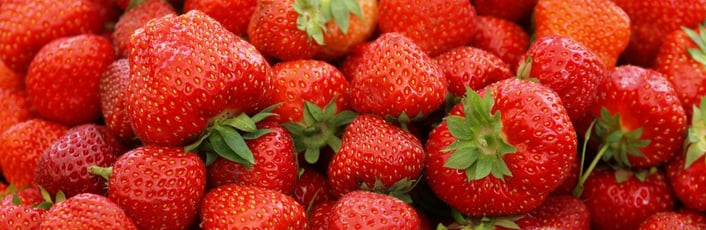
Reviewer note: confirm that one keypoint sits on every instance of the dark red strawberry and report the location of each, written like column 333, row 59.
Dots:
column 86, row 211
column 558, row 212
column 134, row 19
column 244, row 207
column 687, row 168
column 505, row 39
column 312, row 188
column 234, row 15
column 61, row 93
column 274, row 31
column 369, row 210
column 471, row 67
column 30, row 196
column 113, row 96
column 511, row 10
column 16, row 108
column 18, row 216
column 672, row 220
column 319, row 216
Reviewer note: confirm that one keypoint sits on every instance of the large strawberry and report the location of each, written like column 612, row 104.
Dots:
column 687, row 169
column 503, row 38
column 502, row 150
column 601, row 25
column 471, row 67
column 58, row 90
column 234, row 15
column 113, row 96
column 245, row 207
column 86, row 211
column 357, row 210
column 134, row 19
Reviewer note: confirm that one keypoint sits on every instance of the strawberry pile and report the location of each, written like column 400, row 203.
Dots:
column 352, row 114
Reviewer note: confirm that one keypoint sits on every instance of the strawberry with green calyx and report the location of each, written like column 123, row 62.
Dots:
column 482, row 223
column 20, row 216
column 339, row 42
column 687, row 169
column 313, row 16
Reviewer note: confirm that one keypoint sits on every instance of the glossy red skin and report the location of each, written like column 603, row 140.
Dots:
column 312, row 188
column 511, row 10
column 27, row 25
column 685, row 74
column 395, row 76
column 471, row 67
column 374, row 149
column 546, row 147
column 64, row 165
column 87, row 211
column 275, row 163
column 689, row 184
column 134, row 19
column 9, row 79
column 352, row 64
column 57, row 90
column 307, row 80
column 503, row 38
column 319, row 216
column 558, row 212
column 17, row 108
column 651, row 21
column 21, row 146
column 569, row 68
column 113, row 96
column 234, row 15
column 644, row 98
column 174, row 91
column 567, row 187
column 243, row 207
column 158, row 187
column 273, row 30
column 435, row 26
column 21, row 217
column 673, row 220
column 368, row 210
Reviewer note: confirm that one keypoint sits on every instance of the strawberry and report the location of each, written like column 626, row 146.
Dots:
column 113, row 96
column 64, row 165
column 640, row 120
column 312, row 188
column 57, row 90
column 233, row 15
column 436, row 26
column 477, row 158
column 376, row 155
column 339, row 38
column 672, row 220
column 396, row 79
column 628, row 197
column 9, row 79
column 558, row 212
column 158, row 187
column 27, row 25
column 22, row 145
column 687, row 169
column 601, row 26
column 651, row 21
column 510, row 10
column 30, row 196
column 274, row 31
column 471, row 67
column 682, row 61
column 175, row 91
column 17, row 108
column 567, row 67
column 244, row 207
column 502, row 38
column 18, row 216
column 319, row 215
column 134, row 19
column 356, row 210
column 86, row 211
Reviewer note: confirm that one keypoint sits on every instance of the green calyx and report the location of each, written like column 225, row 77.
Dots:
column 48, row 199
column 399, row 189
column 524, row 70
column 314, row 14
column 696, row 138
column 698, row 54
column 134, row 3
column 480, row 143
column 226, row 136
column 482, row 223
column 619, row 142
column 319, row 128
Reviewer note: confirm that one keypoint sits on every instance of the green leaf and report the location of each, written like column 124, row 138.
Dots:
column 312, row 113
column 312, row 155
column 222, row 149
column 622, row 175
column 483, row 169
column 506, row 223
column 343, row 118
column 241, row 122
column 194, row 146
column 459, row 129
column 461, row 160
column 257, row 134
column 236, row 143
column 16, row 199
column 341, row 15
column 334, row 143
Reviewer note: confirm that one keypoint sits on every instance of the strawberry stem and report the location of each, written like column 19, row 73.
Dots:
column 104, row 172
column 695, row 144
column 583, row 175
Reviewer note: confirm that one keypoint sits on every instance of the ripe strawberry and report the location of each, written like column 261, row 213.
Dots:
column 687, row 169
column 16, row 108
column 681, row 60
column 205, row 75
column 376, row 155
column 57, row 90
column 357, row 210
column 672, row 220
column 86, row 211
column 511, row 10
column 64, row 165
column 134, row 19
column 274, row 31
column 158, row 187
column 233, row 15
column 113, row 96
column 18, row 216
column 21, row 146
column 312, row 188
column 244, row 207
column 471, row 67
column 651, row 21
column 601, row 25
column 319, row 215
column 27, row 25
column 352, row 64
column 623, row 199
column 30, row 196
column 558, row 212
column 477, row 158
column 567, row 67
column 396, row 79
column 9, row 79
column 502, row 38
column 339, row 40
column 436, row 26
column 640, row 119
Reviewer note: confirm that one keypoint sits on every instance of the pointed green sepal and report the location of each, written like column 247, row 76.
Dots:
column 699, row 38
column 620, row 142
column 696, row 139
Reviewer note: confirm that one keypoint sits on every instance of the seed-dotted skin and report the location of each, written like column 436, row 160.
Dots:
column 135, row 18
column 558, row 212
column 689, row 184
column 16, row 108
column 113, row 97
column 471, row 67
column 368, row 210
column 21, row 217
column 87, row 211
column 503, row 38
column 273, row 30
column 245, row 207
column 234, row 15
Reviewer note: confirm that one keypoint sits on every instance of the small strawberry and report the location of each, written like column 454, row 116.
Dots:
column 113, row 96
column 312, row 188
column 340, row 38
column 471, row 67
column 134, row 19
column 244, row 207
column 274, row 30
column 86, row 211
column 687, row 169
column 672, row 220
column 505, row 39
column 30, row 196
column 16, row 108
column 19, row 216
column 511, row 10
column 319, row 215
column 234, row 15
column 558, row 212
column 57, row 90
column 357, row 210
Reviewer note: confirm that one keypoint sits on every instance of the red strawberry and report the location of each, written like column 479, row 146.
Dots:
column 158, row 187
column 471, row 67
column 376, row 155
column 113, row 96
column 641, row 121
column 319, row 215
column 396, row 79
column 16, row 108
column 357, row 210
column 18, row 216
column 22, row 145
column 436, row 26
column 651, row 21
column 478, row 157
column 64, row 165
column 189, row 71
column 511, row 10
column 621, row 200
column 339, row 40
column 57, row 90
column 30, row 196
column 505, row 39
column 9, row 79
column 244, row 207
column 134, row 19
column 86, row 211
column 233, row 15
column 601, row 25
column 558, row 212
column 687, row 169
column 274, row 31
column 312, row 188
column 672, row 220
